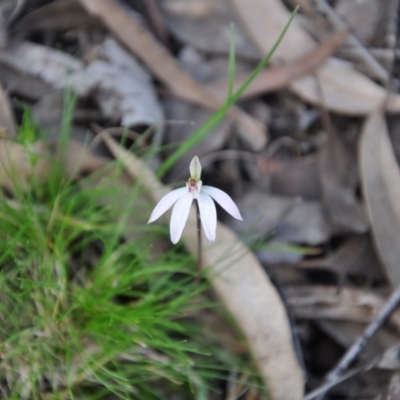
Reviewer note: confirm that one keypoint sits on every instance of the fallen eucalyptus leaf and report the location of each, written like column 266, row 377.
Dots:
column 344, row 89
column 380, row 177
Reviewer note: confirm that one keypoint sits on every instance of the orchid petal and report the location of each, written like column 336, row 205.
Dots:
column 208, row 215
column 179, row 216
column 223, row 200
column 195, row 168
column 166, row 203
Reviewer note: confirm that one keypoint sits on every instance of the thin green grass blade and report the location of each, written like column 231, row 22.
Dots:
column 201, row 133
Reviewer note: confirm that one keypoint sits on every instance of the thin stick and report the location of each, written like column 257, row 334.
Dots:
column 363, row 340
column 199, row 243
column 321, row 391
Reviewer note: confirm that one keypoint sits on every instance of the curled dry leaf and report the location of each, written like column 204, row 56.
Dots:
column 380, row 177
column 244, row 288
column 344, row 89
column 134, row 35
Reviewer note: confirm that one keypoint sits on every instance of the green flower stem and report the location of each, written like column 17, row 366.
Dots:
column 199, row 243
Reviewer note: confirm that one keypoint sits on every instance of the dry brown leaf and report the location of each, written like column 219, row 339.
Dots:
column 344, row 89
column 325, row 302
column 243, row 287
column 380, row 177
column 140, row 42
column 277, row 77
column 58, row 15
column 7, row 121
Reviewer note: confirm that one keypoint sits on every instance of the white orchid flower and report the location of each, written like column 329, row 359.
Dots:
column 182, row 200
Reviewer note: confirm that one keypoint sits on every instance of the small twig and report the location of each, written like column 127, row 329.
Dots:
column 322, row 390
column 358, row 346
column 199, row 243
column 375, row 68
column 369, row 332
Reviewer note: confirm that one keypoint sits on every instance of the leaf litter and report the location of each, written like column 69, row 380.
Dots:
column 319, row 203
